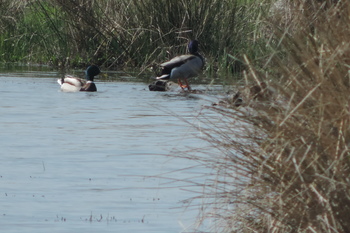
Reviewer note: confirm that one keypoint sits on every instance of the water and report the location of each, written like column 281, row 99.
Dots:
column 91, row 162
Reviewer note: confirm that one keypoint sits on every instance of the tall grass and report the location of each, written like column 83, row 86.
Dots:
column 283, row 163
column 116, row 33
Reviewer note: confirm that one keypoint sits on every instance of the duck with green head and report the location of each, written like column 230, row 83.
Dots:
column 73, row 84
column 183, row 67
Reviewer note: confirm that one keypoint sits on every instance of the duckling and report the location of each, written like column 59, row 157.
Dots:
column 73, row 84
column 231, row 101
column 184, row 66
column 261, row 91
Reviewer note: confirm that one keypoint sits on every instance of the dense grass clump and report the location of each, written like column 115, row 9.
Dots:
column 284, row 161
column 120, row 33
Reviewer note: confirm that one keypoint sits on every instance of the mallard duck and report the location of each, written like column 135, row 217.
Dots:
column 73, row 84
column 184, row 66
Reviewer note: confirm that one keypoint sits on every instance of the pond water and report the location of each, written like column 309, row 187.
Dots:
column 93, row 162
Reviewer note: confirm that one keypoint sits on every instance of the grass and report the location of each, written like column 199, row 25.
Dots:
column 283, row 159
column 120, row 33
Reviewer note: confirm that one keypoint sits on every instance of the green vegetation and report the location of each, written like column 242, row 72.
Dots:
column 124, row 33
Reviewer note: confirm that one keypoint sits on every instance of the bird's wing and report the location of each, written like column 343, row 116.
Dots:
column 73, row 81
column 189, row 69
column 177, row 61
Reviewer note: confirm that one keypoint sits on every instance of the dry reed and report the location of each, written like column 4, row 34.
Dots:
column 283, row 163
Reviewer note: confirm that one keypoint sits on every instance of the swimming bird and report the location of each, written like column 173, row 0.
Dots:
column 73, row 84
column 184, row 66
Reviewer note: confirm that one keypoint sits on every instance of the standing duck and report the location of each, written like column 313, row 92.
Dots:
column 74, row 84
column 184, row 66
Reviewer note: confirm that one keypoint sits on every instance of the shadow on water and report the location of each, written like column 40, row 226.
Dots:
column 89, row 161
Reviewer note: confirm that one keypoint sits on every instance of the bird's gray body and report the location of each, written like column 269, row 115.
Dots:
column 182, row 67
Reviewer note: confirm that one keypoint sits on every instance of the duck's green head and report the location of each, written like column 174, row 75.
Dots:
column 193, row 46
column 91, row 72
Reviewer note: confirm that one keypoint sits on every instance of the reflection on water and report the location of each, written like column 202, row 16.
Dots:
column 83, row 162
